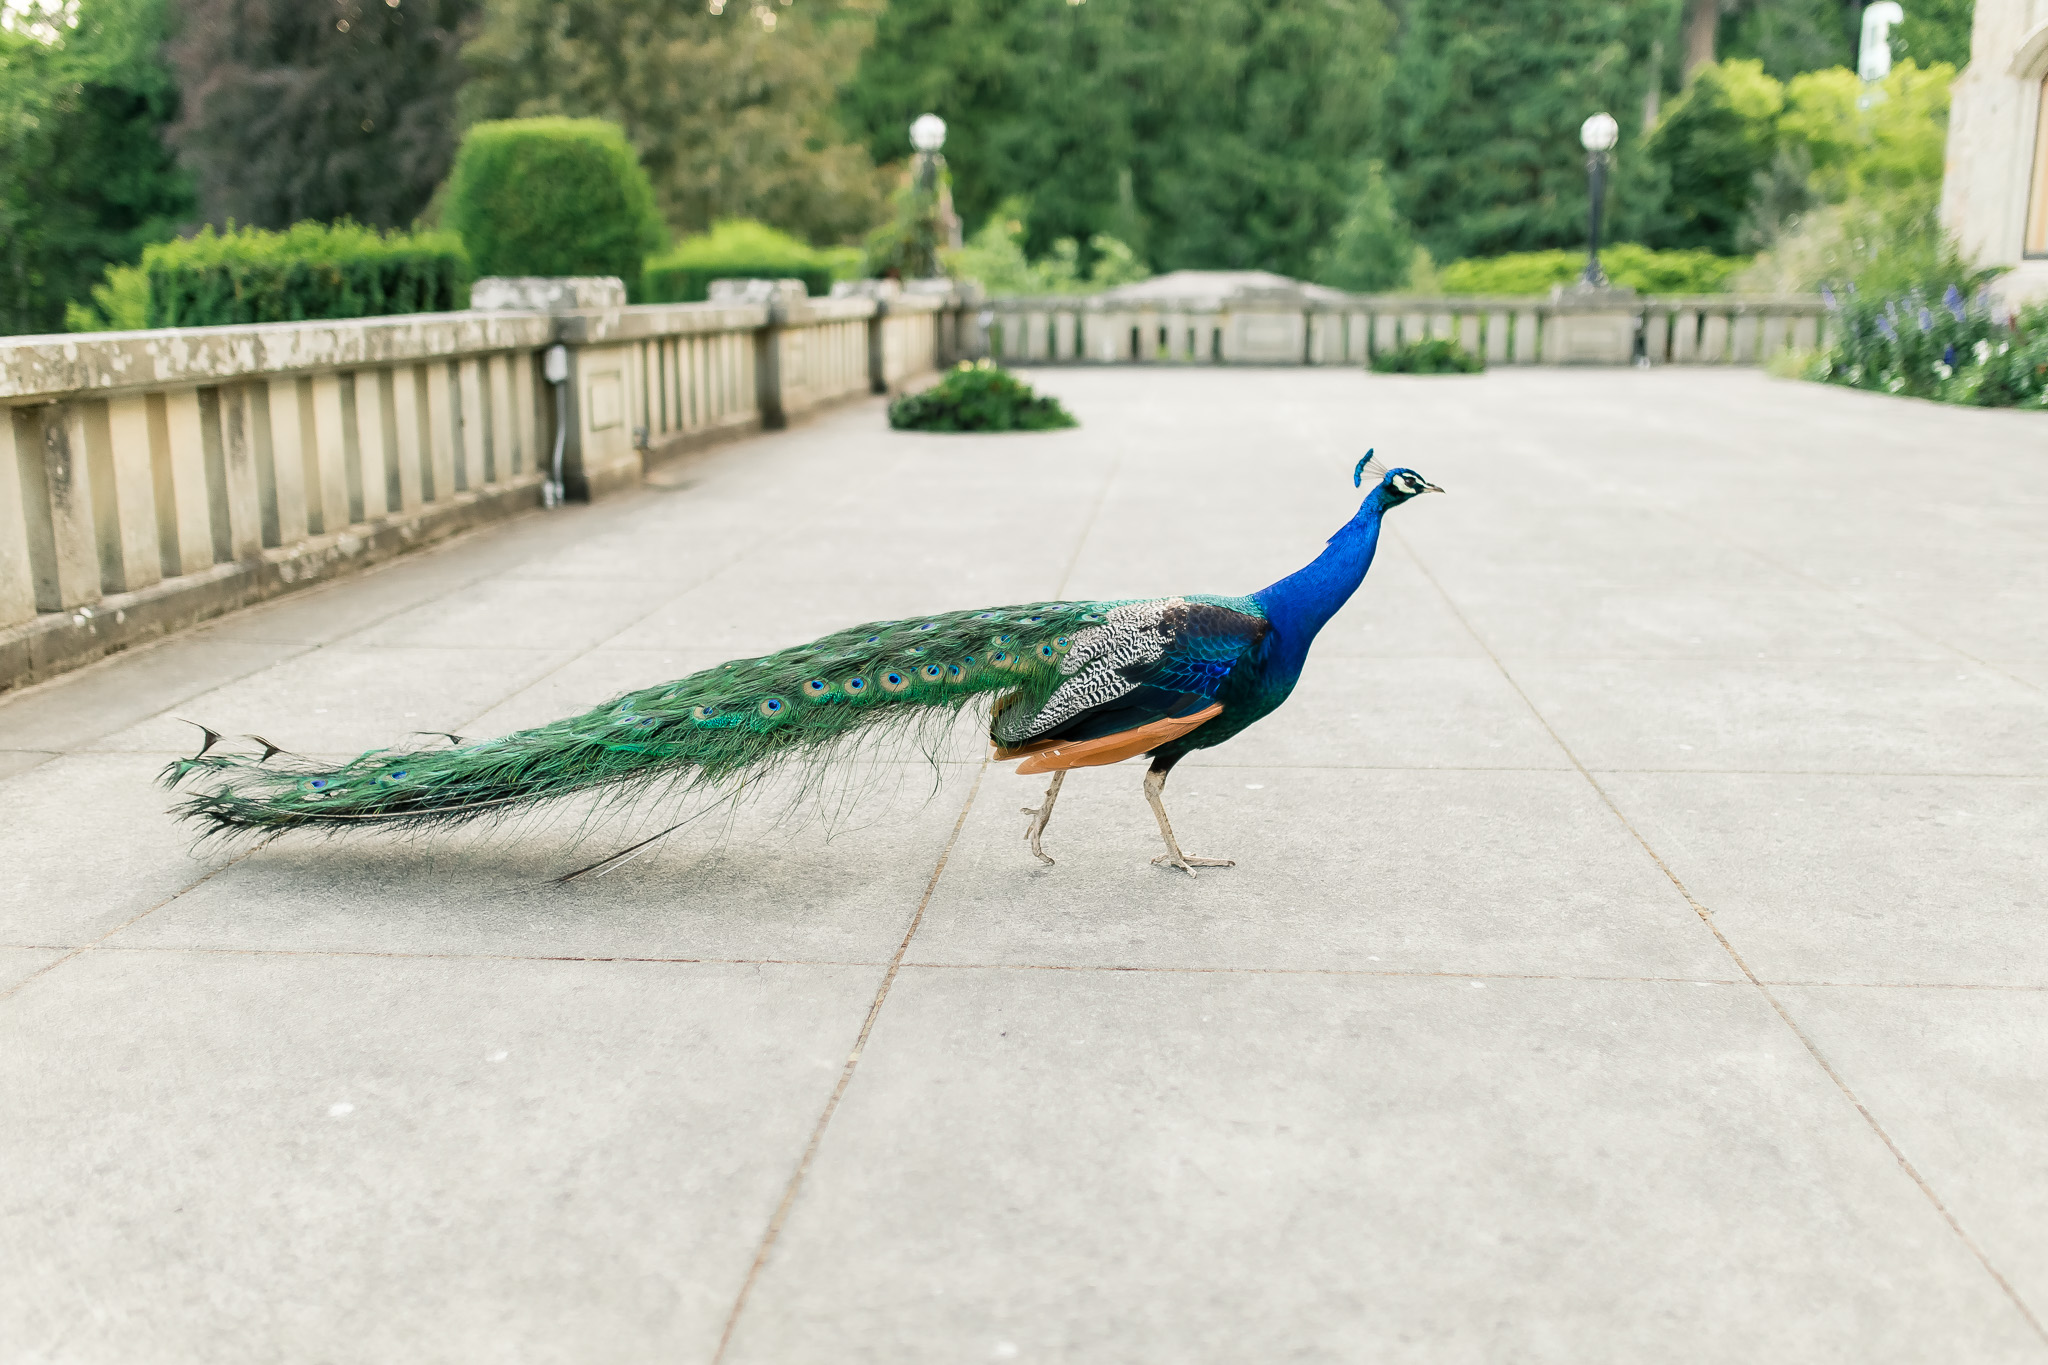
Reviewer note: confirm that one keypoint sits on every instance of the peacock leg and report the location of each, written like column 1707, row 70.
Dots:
column 1040, row 814
column 1155, row 783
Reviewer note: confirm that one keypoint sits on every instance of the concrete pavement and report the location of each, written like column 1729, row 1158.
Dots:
column 1636, row 950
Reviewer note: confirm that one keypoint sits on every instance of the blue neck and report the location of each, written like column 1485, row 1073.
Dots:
column 1300, row 604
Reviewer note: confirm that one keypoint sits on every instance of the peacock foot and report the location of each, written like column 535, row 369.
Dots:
column 1188, row 862
column 1040, row 814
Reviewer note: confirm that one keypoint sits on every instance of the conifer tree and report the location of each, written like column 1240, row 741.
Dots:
column 1488, row 97
column 1206, row 133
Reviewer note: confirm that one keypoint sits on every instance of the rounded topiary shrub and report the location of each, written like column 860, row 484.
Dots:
column 1437, row 355
column 979, row 397
column 553, row 196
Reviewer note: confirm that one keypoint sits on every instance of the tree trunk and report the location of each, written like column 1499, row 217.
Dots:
column 1702, row 17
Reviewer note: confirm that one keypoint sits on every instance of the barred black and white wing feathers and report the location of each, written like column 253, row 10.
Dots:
column 1161, row 659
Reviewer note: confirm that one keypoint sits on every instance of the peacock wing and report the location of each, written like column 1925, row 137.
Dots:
column 1166, row 659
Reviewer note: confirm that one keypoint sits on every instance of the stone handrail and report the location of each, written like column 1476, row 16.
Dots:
column 1289, row 327
column 152, row 479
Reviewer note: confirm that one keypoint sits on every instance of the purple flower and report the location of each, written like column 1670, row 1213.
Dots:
column 1953, row 301
column 1926, row 319
column 1884, row 325
column 1827, row 297
column 1948, row 357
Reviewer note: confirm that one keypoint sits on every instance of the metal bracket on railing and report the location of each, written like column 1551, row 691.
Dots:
column 555, row 369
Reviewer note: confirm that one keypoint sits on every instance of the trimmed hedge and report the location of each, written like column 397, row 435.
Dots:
column 308, row 271
column 553, row 196
column 1435, row 355
column 1638, row 267
column 979, row 397
column 735, row 249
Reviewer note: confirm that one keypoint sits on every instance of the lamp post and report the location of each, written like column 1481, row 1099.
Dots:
column 935, row 225
column 927, row 135
column 1597, row 135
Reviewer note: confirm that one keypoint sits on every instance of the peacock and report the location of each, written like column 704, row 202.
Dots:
column 1069, row 685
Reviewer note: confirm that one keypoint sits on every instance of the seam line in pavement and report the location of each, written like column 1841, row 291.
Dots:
column 1706, row 918
column 49, row 967
column 867, row 1027
column 1193, row 970
column 860, row 1043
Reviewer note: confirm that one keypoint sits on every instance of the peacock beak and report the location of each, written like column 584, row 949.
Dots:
column 1430, row 488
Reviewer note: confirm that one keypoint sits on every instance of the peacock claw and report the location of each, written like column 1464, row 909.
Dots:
column 1189, row 862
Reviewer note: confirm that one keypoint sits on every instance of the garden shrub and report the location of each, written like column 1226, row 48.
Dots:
column 740, row 249
column 1953, row 350
column 976, row 396
column 120, row 303
column 1638, row 267
column 995, row 257
column 1436, row 355
column 309, row 270
column 553, row 196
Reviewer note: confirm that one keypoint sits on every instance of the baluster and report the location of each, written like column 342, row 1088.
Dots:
column 1528, row 338
column 17, row 572
column 1744, row 340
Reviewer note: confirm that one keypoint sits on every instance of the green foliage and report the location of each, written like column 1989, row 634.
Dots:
column 1934, row 31
column 1954, row 350
column 1488, row 96
column 730, row 106
column 995, row 257
column 297, row 110
column 1715, row 140
column 1899, row 141
column 1638, row 267
column 552, row 196
column 1432, row 355
column 310, row 270
column 978, row 397
column 1201, row 133
column 1874, row 183
column 737, row 249
column 85, row 181
column 1791, row 36
column 120, row 303
column 1372, row 249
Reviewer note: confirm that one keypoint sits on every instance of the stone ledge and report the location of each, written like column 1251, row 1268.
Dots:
column 56, row 642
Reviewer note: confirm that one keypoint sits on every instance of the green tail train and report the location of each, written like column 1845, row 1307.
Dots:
column 727, row 723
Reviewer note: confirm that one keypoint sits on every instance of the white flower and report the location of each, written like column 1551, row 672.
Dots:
column 1943, row 369
column 1983, row 350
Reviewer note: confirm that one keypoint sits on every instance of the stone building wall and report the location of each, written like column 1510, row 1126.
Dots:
column 1997, row 168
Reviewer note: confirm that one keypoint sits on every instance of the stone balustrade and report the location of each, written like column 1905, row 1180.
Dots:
column 152, row 479
column 1289, row 327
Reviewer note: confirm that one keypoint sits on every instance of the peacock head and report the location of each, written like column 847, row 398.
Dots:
column 1395, row 487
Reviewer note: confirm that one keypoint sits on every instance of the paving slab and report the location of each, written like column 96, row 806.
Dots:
column 85, row 847
column 19, row 964
column 72, row 711
column 1446, row 1069
column 1338, row 870
column 1059, row 1166
column 1864, row 716
column 220, row 1158
column 1955, row 1078
column 1878, row 880
column 347, row 698
column 776, row 878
